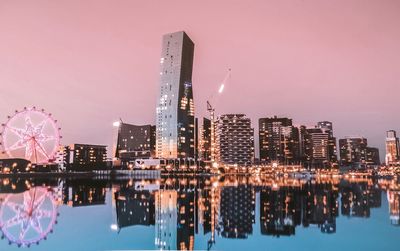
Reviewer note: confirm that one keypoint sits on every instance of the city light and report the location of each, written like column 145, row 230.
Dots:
column 116, row 123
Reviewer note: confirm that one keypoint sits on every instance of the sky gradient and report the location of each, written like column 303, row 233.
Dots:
column 92, row 62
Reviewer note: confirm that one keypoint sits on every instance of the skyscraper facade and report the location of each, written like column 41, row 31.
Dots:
column 392, row 148
column 175, row 108
column 205, row 140
column 353, row 150
column 278, row 140
column 234, row 140
column 135, row 141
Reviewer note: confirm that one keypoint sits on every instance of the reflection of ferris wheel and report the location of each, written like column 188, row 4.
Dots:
column 31, row 134
column 27, row 218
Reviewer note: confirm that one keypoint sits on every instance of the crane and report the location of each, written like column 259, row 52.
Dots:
column 211, row 111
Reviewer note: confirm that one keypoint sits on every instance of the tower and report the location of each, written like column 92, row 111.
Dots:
column 175, row 108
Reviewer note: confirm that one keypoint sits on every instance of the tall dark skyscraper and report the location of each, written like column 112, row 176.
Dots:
column 175, row 107
column 278, row 140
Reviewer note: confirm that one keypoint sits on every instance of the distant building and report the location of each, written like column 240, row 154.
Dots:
column 205, row 140
column 85, row 157
column 373, row 156
column 175, row 106
column 234, row 140
column 392, row 148
column 135, row 142
column 278, row 140
column 354, row 151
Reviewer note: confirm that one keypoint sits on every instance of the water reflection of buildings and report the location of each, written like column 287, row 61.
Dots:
column 134, row 207
column 84, row 192
column 321, row 206
column 182, row 208
column 237, row 211
column 393, row 198
column 166, row 219
column 280, row 210
column 358, row 198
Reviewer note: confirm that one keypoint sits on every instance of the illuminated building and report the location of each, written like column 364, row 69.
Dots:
column 372, row 157
column 234, row 140
column 166, row 219
column 278, row 140
column 175, row 127
column 85, row 156
column 237, row 211
column 205, row 140
column 354, row 151
column 392, row 148
column 134, row 208
column 318, row 145
column 135, row 142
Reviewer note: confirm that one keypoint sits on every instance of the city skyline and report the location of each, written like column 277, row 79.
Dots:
column 95, row 73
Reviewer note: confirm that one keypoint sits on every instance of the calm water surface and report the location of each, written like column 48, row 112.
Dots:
column 225, row 213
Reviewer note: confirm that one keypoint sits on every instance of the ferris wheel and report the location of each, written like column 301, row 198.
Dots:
column 31, row 134
column 27, row 218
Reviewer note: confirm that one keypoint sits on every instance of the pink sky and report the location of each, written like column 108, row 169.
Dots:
column 91, row 62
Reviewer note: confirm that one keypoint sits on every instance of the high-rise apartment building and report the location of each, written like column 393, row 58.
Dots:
column 175, row 108
column 392, row 148
column 205, row 140
column 234, row 140
column 353, row 150
column 135, row 141
column 278, row 140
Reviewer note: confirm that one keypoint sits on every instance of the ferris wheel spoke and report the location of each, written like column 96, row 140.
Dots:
column 17, row 145
column 39, row 201
column 17, row 208
column 13, row 221
column 24, row 229
column 18, row 131
column 28, row 151
column 35, row 223
column 41, row 150
column 43, row 213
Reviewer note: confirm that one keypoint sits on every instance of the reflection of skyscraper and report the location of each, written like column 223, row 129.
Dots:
column 280, row 210
column 358, row 199
column 237, row 211
column 175, row 109
column 394, row 206
column 166, row 219
column 392, row 148
column 320, row 206
column 84, row 192
column 185, row 220
column 134, row 208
